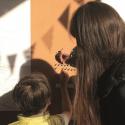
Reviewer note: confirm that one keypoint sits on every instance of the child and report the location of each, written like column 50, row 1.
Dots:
column 32, row 95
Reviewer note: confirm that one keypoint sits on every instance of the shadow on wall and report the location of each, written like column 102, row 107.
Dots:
column 9, row 110
column 7, row 5
column 31, row 66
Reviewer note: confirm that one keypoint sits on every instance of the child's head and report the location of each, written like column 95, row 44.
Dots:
column 32, row 94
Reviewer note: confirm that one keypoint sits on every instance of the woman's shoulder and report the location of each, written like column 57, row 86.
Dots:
column 113, row 78
column 112, row 96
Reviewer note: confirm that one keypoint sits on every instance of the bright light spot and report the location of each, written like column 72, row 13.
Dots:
column 118, row 5
column 15, row 38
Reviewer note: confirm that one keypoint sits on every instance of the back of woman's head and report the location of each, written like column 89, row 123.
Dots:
column 32, row 94
column 98, row 29
column 100, row 36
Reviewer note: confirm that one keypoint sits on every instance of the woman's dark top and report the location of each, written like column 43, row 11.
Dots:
column 111, row 89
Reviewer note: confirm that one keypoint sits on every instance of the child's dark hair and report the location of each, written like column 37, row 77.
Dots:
column 32, row 94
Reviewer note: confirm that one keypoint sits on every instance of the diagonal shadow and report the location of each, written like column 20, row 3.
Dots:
column 7, row 5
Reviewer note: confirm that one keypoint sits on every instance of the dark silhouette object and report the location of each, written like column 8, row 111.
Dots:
column 68, row 59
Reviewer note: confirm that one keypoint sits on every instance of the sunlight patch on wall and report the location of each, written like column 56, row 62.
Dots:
column 14, row 42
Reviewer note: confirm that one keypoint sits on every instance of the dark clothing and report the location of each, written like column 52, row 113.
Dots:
column 72, row 57
column 111, row 89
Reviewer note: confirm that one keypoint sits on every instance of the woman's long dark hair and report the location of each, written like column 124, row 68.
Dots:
column 100, row 35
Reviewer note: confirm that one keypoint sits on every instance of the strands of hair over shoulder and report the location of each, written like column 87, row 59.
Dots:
column 100, row 36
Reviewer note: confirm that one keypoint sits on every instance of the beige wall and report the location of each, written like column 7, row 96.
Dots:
column 48, row 33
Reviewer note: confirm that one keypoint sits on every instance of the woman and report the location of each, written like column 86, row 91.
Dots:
column 100, row 86
column 62, row 56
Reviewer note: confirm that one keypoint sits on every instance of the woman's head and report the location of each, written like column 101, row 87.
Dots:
column 32, row 94
column 100, row 36
column 98, row 28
